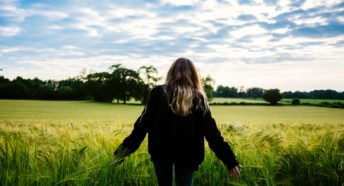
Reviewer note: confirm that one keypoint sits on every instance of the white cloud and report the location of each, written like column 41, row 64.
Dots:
column 319, row 3
column 284, row 3
column 280, row 30
column 6, row 50
column 11, row 11
column 185, row 29
column 120, row 12
column 9, row 31
column 340, row 19
column 96, row 22
column 46, row 14
column 248, row 31
column 179, row 2
column 166, row 38
column 310, row 21
column 42, row 54
column 138, row 28
column 8, row 8
column 295, row 41
column 55, row 27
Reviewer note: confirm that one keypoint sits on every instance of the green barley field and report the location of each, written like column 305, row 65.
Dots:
column 71, row 143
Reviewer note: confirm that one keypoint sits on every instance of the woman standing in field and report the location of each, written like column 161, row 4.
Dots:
column 177, row 118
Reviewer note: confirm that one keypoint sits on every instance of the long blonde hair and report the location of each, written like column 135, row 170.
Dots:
column 183, row 84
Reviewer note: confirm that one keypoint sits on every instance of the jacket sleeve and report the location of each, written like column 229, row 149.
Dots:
column 141, row 126
column 216, row 142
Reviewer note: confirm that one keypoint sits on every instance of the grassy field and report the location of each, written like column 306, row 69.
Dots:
column 71, row 143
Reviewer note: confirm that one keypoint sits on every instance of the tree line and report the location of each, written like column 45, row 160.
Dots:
column 117, row 84
column 256, row 92
column 121, row 84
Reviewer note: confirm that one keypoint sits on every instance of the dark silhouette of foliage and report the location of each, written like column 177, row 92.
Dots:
column 315, row 94
column 150, row 77
column 17, row 89
column 295, row 101
column 123, row 84
column 255, row 92
column 72, row 89
column 126, row 83
column 272, row 96
column 98, row 86
column 208, row 83
column 225, row 91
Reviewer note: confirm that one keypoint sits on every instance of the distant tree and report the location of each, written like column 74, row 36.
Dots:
column 149, row 74
column 232, row 92
column 242, row 92
column 72, row 89
column 272, row 96
column 208, row 83
column 66, row 93
column 127, row 83
column 254, row 92
column 98, row 86
column 300, row 94
column 34, row 85
column 17, row 90
column 288, row 94
column 46, row 92
column 51, row 87
column 4, row 87
column 220, row 91
column 324, row 94
column 30, row 84
column 224, row 91
column 4, row 80
column 295, row 101
column 315, row 94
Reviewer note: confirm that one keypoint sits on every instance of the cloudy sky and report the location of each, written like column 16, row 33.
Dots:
column 286, row 44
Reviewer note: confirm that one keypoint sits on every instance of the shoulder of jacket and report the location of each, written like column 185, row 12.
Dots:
column 158, row 88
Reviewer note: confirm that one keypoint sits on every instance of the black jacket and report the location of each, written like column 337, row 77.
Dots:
column 174, row 138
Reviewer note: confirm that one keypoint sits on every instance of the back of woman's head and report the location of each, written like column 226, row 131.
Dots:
column 183, row 85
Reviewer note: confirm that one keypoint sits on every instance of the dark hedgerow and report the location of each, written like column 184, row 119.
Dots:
column 295, row 101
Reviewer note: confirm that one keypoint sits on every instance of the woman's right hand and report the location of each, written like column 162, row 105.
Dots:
column 120, row 153
column 235, row 172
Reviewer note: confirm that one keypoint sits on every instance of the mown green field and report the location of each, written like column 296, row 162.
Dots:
column 71, row 143
column 236, row 100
